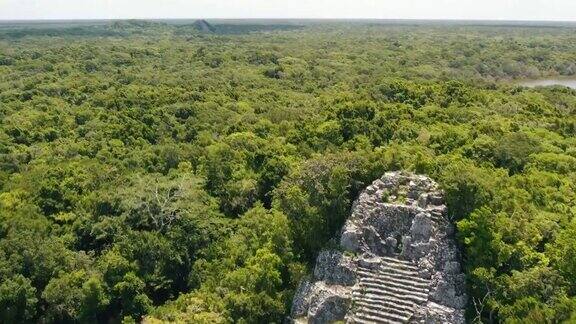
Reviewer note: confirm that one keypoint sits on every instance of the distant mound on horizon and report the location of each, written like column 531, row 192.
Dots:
column 203, row 26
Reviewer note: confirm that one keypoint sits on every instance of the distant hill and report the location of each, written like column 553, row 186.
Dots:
column 203, row 26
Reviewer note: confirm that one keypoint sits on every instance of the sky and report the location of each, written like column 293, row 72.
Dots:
column 559, row 10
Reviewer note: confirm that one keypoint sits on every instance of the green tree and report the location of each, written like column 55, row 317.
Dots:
column 17, row 300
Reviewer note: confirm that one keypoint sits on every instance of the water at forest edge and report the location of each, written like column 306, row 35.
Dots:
column 570, row 83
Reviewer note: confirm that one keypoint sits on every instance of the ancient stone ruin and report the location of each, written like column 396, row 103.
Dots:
column 203, row 26
column 397, row 262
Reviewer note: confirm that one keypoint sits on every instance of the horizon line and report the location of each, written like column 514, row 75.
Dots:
column 290, row 18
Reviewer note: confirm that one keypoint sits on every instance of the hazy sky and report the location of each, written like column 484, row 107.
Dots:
column 418, row 9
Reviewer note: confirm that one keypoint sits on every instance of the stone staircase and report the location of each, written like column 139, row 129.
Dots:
column 437, row 214
column 389, row 292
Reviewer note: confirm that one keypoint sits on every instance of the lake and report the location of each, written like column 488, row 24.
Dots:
column 570, row 83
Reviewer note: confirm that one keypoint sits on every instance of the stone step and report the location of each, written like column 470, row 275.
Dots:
column 393, row 281
column 392, row 308
column 384, row 279
column 391, row 269
column 408, row 265
column 400, row 278
column 400, row 273
column 390, row 287
column 382, row 315
column 390, row 273
column 438, row 218
column 395, row 293
column 384, row 299
column 398, row 268
column 396, row 260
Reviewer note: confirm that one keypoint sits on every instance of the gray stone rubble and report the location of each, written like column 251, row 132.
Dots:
column 397, row 263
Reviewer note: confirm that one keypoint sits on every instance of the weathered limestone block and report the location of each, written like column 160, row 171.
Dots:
column 333, row 267
column 321, row 303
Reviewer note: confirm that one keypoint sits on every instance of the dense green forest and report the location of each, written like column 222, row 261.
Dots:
column 149, row 170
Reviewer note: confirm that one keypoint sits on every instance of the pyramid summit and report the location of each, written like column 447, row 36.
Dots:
column 397, row 263
column 204, row 26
